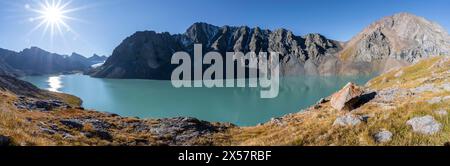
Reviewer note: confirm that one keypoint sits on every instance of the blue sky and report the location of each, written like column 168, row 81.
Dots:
column 101, row 25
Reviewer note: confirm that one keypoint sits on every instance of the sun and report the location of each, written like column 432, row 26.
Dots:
column 52, row 16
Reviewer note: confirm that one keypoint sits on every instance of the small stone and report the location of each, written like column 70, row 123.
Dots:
column 446, row 98
column 435, row 100
column 398, row 74
column 347, row 120
column 425, row 88
column 441, row 112
column 277, row 121
column 48, row 131
column 424, row 125
column 446, row 86
column 383, row 136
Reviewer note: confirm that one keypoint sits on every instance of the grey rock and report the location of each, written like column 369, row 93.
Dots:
column 446, row 86
column 441, row 112
column 277, row 121
column 347, row 120
column 435, row 100
column 178, row 131
column 73, row 123
column 99, row 133
column 383, row 136
column 48, row 131
column 425, row 88
column 426, row 125
column 446, row 98
column 399, row 74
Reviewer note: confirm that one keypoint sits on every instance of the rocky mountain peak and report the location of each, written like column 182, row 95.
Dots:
column 201, row 32
column 34, row 51
column 76, row 55
column 402, row 36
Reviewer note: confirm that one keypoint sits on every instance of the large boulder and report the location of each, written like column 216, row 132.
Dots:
column 347, row 97
column 426, row 125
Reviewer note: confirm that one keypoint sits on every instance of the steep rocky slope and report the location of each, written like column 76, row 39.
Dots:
column 391, row 42
column 396, row 41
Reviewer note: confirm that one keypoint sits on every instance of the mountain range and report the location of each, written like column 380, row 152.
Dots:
column 391, row 42
column 36, row 61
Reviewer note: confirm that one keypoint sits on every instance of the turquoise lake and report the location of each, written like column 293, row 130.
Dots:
column 159, row 99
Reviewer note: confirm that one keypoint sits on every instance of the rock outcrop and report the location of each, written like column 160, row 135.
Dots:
column 347, row 97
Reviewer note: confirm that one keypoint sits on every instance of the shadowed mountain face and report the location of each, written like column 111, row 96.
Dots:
column 393, row 41
column 5, row 68
column 147, row 54
column 35, row 61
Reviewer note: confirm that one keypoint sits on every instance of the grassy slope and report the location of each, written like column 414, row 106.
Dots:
column 314, row 127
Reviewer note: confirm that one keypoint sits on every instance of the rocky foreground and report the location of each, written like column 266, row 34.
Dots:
column 407, row 106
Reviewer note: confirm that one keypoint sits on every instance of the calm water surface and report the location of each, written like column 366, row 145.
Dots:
column 158, row 99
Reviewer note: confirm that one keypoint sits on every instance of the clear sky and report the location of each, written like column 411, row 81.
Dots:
column 98, row 26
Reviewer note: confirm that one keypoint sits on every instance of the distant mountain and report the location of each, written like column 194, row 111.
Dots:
column 95, row 59
column 35, row 61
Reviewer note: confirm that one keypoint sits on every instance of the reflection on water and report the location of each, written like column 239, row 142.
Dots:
column 159, row 99
column 54, row 83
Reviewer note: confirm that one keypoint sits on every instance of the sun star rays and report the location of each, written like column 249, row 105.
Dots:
column 52, row 17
